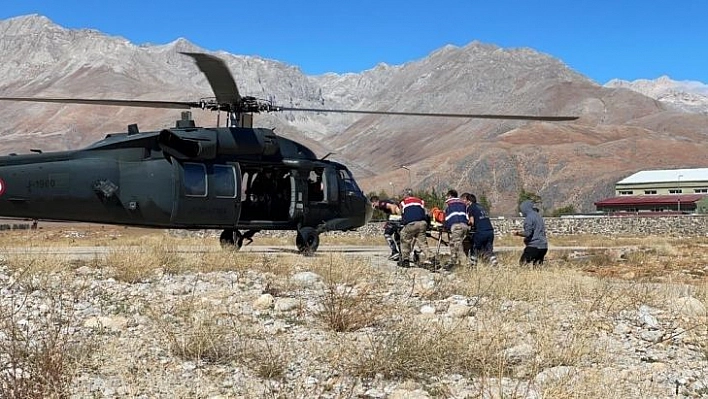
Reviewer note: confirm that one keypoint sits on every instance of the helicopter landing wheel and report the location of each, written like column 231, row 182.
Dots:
column 307, row 241
column 231, row 239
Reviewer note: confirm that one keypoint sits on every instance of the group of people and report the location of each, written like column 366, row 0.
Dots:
column 471, row 233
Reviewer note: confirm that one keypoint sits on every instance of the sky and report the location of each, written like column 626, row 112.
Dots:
column 601, row 39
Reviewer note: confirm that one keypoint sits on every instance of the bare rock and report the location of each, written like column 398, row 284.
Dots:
column 306, row 279
column 458, row 311
column 408, row 394
column 114, row 323
column 689, row 307
column 286, row 304
column 264, row 302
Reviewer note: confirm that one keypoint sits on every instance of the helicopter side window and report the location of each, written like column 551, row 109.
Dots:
column 224, row 181
column 195, row 180
column 331, row 185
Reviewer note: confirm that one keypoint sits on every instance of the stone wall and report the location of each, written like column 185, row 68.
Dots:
column 16, row 226
column 674, row 226
column 685, row 225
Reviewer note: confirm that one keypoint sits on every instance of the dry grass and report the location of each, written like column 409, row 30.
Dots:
column 347, row 308
column 39, row 356
column 32, row 270
column 195, row 333
column 604, row 241
column 363, row 320
column 207, row 335
column 420, row 351
column 73, row 234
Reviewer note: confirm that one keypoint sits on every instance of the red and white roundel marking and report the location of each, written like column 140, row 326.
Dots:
column 2, row 186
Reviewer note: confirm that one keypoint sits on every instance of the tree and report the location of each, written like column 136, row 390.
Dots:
column 431, row 198
column 484, row 202
column 564, row 210
column 527, row 195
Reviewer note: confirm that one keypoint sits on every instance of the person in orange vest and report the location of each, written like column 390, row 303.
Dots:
column 415, row 227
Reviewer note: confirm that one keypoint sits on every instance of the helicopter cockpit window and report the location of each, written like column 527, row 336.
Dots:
column 224, row 181
column 195, row 180
column 348, row 181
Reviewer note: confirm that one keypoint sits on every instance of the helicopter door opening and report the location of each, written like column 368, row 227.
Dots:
column 322, row 195
column 267, row 194
column 207, row 195
column 322, row 186
column 316, row 186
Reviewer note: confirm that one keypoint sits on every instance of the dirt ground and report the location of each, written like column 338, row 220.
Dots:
column 47, row 231
column 655, row 259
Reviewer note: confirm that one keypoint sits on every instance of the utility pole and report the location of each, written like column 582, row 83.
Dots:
column 409, row 175
column 678, row 184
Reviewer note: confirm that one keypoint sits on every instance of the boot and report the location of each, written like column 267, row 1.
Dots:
column 428, row 264
column 392, row 244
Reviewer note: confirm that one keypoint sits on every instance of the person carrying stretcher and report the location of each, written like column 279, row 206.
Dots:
column 456, row 222
column 415, row 226
column 392, row 228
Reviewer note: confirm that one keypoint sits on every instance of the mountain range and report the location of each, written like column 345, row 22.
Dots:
column 623, row 127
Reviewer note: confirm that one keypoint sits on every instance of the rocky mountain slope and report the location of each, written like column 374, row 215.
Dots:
column 576, row 163
column 690, row 96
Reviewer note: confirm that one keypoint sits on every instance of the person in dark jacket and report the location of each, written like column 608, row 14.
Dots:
column 415, row 227
column 456, row 224
column 481, row 232
column 392, row 227
column 534, row 234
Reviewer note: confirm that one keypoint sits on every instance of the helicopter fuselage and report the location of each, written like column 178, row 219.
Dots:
column 192, row 178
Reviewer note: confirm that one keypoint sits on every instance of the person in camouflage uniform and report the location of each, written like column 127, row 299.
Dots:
column 456, row 223
column 415, row 227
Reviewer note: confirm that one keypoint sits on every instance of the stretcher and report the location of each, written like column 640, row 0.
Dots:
column 439, row 228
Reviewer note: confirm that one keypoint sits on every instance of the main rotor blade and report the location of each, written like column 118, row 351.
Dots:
column 122, row 103
column 476, row 116
column 219, row 77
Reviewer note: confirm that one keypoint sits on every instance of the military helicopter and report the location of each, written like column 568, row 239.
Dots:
column 238, row 178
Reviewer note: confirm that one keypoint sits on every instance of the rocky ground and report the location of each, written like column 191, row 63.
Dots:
column 224, row 325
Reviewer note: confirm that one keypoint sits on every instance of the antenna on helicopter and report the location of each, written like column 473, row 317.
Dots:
column 186, row 121
column 133, row 129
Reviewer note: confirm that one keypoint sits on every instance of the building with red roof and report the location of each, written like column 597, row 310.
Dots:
column 684, row 203
column 650, row 191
